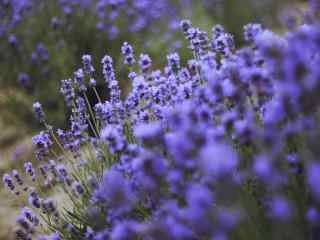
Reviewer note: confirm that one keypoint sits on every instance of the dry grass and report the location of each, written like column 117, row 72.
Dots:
column 15, row 148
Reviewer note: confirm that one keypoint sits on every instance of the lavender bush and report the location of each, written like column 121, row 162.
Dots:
column 41, row 41
column 221, row 147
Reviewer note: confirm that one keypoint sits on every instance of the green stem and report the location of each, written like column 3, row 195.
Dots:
column 97, row 95
column 54, row 137
column 96, row 130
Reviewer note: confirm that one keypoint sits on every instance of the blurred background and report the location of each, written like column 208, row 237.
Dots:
column 41, row 43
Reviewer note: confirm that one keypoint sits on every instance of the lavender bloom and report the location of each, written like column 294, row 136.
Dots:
column 127, row 52
column 263, row 168
column 20, row 234
column 218, row 160
column 77, row 187
column 107, row 69
column 251, row 30
column 204, row 42
column 48, row 206
column 24, row 79
column 89, row 233
column 13, row 40
column 174, row 61
column 114, row 139
column 313, row 177
column 125, row 230
column 145, row 62
column 110, row 78
column 185, row 26
column 55, row 22
column 30, row 170
column 25, row 224
column 18, row 179
column 149, row 169
column 217, row 31
column 62, row 171
column 42, row 52
column 67, row 91
column 313, row 215
column 79, row 80
column 200, row 197
column 37, row 108
column 92, row 82
column 314, row 5
column 87, row 65
column 34, row 200
column 115, row 192
column 55, row 236
column 114, row 92
column 280, row 209
column 150, row 134
column 8, row 181
column 30, row 216
column 224, row 44
column 43, row 143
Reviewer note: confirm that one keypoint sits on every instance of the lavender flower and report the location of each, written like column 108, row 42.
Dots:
column 43, row 143
column 280, row 209
column 145, row 62
column 127, row 52
column 67, row 91
column 115, row 192
column 8, row 181
column 251, row 31
column 313, row 176
column 24, row 79
column 79, row 80
column 30, row 170
column 174, row 61
column 114, row 139
column 107, row 69
column 87, row 65
column 39, row 112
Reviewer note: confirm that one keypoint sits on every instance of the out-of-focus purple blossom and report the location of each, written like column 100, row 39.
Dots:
column 67, row 90
column 313, row 215
column 42, row 143
column 190, row 144
column 251, row 30
column 24, row 79
column 150, row 134
column 313, row 178
column 79, row 80
column 115, row 192
column 280, row 209
column 113, row 138
column 13, row 40
column 37, row 108
column 218, row 160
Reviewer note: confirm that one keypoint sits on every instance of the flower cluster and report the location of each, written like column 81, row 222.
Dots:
column 137, row 14
column 222, row 148
column 48, row 50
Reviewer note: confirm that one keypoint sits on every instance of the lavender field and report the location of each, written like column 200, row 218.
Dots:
column 160, row 120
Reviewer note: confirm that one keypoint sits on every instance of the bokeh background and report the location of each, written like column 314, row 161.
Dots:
column 41, row 43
